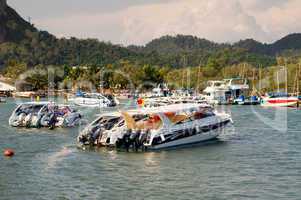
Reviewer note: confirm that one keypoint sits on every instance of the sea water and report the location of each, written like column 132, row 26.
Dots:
column 259, row 157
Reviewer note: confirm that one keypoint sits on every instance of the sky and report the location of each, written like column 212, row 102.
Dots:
column 139, row 21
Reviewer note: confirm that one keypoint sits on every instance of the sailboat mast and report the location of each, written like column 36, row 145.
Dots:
column 286, row 90
column 277, row 81
column 298, row 76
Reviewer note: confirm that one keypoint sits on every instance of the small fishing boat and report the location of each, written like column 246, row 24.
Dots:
column 44, row 114
column 279, row 100
column 155, row 128
column 95, row 100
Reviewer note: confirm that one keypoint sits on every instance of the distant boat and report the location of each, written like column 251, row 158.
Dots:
column 279, row 100
column 216, row 92
column 27, row 94
column 44, row 114
column 95, row 100
column 225, row 91
column 2, row 99
column 241, row 100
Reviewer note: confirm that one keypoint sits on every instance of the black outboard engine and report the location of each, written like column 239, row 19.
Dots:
column 131, row 139
column 125, row 142
column 52, row 121
column 92, row 136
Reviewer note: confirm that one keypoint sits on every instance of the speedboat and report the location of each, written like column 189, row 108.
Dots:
column 155, row 128
column 95, row 100
column 279, row 100
column 44, row 114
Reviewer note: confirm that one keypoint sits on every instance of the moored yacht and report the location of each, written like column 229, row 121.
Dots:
column 156, row 128
column 217, row 92
column 225, row 91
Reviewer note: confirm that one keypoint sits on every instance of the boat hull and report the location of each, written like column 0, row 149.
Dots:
column 280, row 102
column 86, row 102
column 189, row 140
column 207, row 133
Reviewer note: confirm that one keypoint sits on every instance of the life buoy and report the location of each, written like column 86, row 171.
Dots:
column 8, row 153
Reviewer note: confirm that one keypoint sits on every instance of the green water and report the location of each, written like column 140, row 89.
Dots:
column 251, row 160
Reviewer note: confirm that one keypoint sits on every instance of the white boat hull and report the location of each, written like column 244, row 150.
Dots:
column 88, row 102
column 280, row 102
column 198, row 138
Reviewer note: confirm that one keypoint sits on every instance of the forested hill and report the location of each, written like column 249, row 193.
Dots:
column 20, row 41
column 202, row 48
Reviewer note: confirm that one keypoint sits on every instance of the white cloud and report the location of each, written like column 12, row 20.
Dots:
column 221, row 21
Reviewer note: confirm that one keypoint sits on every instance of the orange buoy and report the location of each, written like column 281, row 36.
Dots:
column 9, row 152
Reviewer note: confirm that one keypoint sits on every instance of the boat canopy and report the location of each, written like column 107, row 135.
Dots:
column 156, row 118
column 168, row 108
column 277, row 94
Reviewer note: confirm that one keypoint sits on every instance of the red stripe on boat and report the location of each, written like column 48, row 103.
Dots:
column 283, row 101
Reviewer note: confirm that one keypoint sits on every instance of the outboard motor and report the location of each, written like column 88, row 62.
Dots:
column 52, row 121
column 27, row 120
column 125, row 142
column 135, row 140
column 72, row 119
column 89, row 137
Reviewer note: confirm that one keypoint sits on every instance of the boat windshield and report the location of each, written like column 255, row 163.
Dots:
column 192, row 115
column 155, row 121
column 236, row 81
column 93, row 96
column 142, row 122
column 217, row 84
column 27, row 108
column 107, row 122
column 279, row 94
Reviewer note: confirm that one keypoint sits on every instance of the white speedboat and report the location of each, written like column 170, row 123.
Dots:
column 156, row 128
column 279, row 100
column 95, row 100
column 44, row 114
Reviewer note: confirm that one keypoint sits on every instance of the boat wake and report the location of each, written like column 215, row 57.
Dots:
column 54, row 159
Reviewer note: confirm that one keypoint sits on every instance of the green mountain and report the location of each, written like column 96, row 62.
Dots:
column 22, row 42
column 12, row 27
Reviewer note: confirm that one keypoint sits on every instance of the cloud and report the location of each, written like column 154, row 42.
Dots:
column 220, row 21
column 214, row 20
